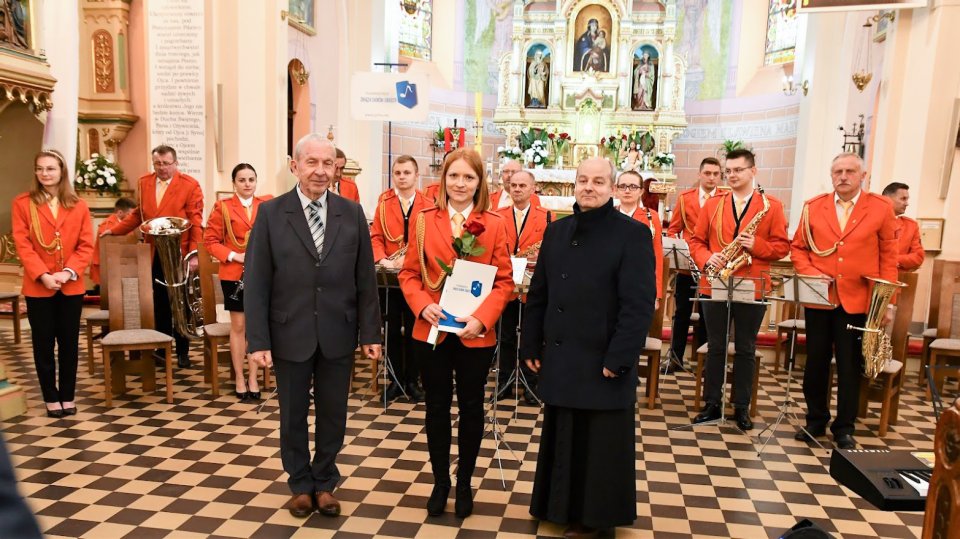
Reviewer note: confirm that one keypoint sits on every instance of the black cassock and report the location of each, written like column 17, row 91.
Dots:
column 590, row 305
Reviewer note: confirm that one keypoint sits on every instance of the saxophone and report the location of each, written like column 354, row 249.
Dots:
column 877, row 349
column 183, row 285
column 530, row 251
column 734, row 253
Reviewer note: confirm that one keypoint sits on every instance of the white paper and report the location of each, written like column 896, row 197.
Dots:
column 744, row 290
column 463, row 292
column 519, row 267
column 813, row 291
column 677, row 252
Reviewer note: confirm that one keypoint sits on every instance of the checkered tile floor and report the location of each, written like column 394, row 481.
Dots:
column 211, row 468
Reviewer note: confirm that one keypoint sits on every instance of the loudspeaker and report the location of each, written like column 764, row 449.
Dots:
column 806, row 529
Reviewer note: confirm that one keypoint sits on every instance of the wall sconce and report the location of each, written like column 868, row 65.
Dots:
column 790, row 88
column 863, row 64
column 889, row 15
column 299, row 72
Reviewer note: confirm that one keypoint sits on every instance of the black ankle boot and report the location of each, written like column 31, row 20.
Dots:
column 464, row 504
column 438, row 500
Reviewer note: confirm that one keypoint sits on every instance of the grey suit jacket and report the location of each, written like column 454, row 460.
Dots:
column 296, row 300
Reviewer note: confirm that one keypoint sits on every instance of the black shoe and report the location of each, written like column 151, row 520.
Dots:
column 56, row 414
column 530, row 397
column 463, row 507
column 710, row 412
column 393, row 392
column 845, row 441
column 801, row 436
column 253, row 396
column 70, row 411
column 414, row 392
column 183, row 361
column 742, row 417
column 438, row 500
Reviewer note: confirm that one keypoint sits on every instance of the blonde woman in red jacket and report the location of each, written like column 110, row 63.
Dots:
column 226, row 235
column 54, row 237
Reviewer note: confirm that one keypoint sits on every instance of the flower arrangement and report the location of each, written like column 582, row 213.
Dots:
column 537, row 153
column 529, row 135
column 614, row 143
column 506, row 152
column 98, row 174
column 466, row 245
column 438, row 136
column 664, row 160
column 561, row 141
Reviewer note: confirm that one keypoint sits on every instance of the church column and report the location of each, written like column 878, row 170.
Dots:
column 516, row 63
column 668, row 79
column 557, row 64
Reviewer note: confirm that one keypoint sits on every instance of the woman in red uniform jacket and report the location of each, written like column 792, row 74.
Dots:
column 225, row 238
column 461, row 205
column 54, row 237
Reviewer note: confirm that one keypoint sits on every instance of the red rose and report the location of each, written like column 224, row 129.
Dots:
column 603, row 140
column 564, row 136
column 624, row 137
column 474, row 227
column 551, row 136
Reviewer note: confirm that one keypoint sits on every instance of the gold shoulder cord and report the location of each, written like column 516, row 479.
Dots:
column 683, row 215
column 228, row 229
column 808, row 235
column 718, row 216
column 383, row 225
column 432, row 285
column 55, row 246
column 653, row 229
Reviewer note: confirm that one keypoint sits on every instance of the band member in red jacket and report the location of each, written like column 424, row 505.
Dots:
column 343, row 185
column 629, row 190
column 54, row 237
column 910, row 256
column 123, row 207
column 226, row 235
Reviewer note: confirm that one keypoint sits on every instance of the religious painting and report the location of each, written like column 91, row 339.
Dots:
column 416, row 30
column 782, row 25
column 538, row 77
column 14, row 21
column 883, row 25
column 646, row 71
column 302, row 16
column 593, row 31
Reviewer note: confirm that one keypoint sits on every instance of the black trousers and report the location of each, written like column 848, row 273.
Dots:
column 55, row 322
column 745, row 321
column 509, row 327
column 828, row 337
column 330, row 380
column 438, row 369
column 162, row 316
column 400, row 321
column 685, row 291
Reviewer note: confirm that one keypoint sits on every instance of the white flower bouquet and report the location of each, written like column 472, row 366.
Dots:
column 98, row 174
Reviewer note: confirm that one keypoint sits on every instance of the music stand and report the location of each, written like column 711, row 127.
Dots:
column 387, row 279
column 815, row 291
column 517, row 377
column 734, row 290
column 678, row 253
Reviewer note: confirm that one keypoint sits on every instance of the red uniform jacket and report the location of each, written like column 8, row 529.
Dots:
column 181, row 199
column 686, row 213
column 75, row 229
column 386, row 232
column 215, row 236
column 911, row 251
column 438, row 242
column 95, row 263
column 347, row 188
column 867, row 247
column 495, row 200
column 640, row 214
column 432, row 192
column 533, row 229
column 771, row 241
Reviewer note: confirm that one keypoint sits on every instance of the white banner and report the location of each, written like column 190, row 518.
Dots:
column 177, row 86
column 397, row 97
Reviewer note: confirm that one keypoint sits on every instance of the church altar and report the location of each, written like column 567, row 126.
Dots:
column 602, row 72
column 559, row 182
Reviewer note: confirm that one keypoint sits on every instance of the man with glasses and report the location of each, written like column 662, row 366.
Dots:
column 342, row 185
column 501, row 197
column 167, row 192
column 721, row 223
column 629, row 190
column 682, row 225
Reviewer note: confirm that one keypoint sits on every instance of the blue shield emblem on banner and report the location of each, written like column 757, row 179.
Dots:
column 407, row 94
column 476, row 288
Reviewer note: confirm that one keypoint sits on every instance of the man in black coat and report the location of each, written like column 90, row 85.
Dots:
column 310, row 293
column 590, row 305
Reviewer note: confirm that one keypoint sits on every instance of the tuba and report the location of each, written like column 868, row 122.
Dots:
column 183, row 285
column 877, row 350
column 734, row 253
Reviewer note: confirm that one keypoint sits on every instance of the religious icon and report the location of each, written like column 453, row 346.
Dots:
column 538, row 76
column 645, row 71
column 591, row 50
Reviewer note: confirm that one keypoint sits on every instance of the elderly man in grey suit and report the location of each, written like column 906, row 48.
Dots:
column 310, row 294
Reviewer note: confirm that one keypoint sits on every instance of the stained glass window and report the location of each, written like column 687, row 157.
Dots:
column 416, row 28
column 781, row 32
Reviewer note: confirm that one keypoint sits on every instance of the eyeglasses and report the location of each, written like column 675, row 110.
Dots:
column 161, row 164
column 737, row 171
column 628, row 187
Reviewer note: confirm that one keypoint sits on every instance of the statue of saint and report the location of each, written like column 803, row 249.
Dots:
column 644, row 76
column 537, row 75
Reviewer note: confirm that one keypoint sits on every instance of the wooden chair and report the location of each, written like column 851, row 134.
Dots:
column 701, row 357
column 101, row 318
column 946, row 347
column 930, row 334
column 942, row 516
column 131, row 322
column 653, row 349
column 12, row 304
column 215, row 334
column 886, row 387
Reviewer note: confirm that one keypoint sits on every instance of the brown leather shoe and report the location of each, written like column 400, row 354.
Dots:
column 301, row 505
column 327, row 504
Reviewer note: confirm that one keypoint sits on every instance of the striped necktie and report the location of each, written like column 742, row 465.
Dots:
column 316, row 224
